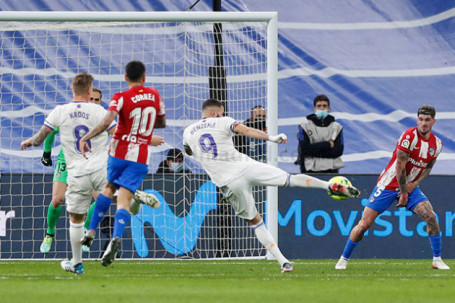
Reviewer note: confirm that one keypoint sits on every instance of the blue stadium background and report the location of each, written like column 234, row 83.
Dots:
column 377, row 61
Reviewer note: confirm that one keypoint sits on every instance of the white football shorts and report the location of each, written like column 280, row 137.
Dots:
column 79, row 193
column 239, row 192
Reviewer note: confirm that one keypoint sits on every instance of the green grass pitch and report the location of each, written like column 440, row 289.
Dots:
column 234, row 281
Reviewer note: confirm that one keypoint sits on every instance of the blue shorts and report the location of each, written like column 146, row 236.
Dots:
column 380, row 199
column 127, row 174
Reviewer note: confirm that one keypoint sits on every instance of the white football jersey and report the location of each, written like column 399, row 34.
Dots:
column 74, row 120
column 210, row 140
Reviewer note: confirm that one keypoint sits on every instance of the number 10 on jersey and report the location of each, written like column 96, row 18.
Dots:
column 143, row 122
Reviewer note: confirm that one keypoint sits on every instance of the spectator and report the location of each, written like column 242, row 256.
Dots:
column 252, row 147
column 320, row 140
column 173, row 164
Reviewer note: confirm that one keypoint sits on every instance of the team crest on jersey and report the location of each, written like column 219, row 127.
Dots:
column 405, row 143
column 431, row 151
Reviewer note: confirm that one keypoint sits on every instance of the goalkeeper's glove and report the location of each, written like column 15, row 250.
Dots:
column 280, row 138
column 46, row 159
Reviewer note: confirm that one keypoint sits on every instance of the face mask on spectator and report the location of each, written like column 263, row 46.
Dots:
column 176, row 167
column 321, row 114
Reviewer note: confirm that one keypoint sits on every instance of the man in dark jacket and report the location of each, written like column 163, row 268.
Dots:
column 173, row 164
column 320, row 140
column 254, row 148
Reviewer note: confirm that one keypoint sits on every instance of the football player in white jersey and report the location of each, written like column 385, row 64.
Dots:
column 74, row 120
column 209, row 141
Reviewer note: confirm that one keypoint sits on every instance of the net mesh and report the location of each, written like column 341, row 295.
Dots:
column 37, row 63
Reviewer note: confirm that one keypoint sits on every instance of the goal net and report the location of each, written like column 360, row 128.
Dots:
column 189, row 57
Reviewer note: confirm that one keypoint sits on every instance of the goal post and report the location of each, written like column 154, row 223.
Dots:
column 42, row 51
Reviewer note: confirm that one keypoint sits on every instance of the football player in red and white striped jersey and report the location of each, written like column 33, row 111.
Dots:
column 140, row 110
column 414, row 156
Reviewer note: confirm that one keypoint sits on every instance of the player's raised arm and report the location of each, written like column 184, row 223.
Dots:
column 102, row 126
column 240, row 128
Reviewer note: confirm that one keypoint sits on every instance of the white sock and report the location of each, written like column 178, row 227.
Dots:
column 266, row 239
column 76, row 234
column 302, row 180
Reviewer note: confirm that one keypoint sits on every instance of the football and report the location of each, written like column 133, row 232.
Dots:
column 340, row 180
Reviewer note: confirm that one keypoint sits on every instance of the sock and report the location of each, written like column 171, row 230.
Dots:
column 350, row 245
column 122, row 217
column 76, row 233
column 435, row 242
column 52, row 217
column 89, row 215
column 302, row 180
column 268, row 242
column 101, row 206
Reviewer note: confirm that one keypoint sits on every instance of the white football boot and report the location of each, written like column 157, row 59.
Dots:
column 439, row 264
column 342, row 263
column 144, row 198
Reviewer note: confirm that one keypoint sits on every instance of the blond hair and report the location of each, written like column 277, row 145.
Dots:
column 81, row 83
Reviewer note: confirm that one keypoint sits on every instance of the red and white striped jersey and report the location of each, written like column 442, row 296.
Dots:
column 420, row 151
column 137, row 110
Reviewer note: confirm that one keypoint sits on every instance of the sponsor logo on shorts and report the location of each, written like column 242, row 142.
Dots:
column 371, row 199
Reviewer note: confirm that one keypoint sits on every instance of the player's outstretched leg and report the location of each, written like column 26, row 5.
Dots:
column 347, row 190
column 302, row 180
